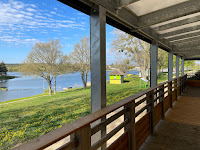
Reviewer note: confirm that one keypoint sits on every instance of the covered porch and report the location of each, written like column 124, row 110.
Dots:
column 181, row 127
column 137, row 122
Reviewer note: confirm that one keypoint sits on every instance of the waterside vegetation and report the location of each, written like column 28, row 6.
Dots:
column 4, row 77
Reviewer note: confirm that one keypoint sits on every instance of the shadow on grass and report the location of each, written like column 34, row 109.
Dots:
column 125, row 81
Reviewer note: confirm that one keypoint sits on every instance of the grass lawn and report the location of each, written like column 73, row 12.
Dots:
column 21, row 121
column 162, row 77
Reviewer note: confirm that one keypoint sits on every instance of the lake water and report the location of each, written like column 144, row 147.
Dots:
column 26, row 86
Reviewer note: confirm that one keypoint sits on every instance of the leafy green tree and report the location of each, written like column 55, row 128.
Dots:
column 3, row 69
column 189, row 63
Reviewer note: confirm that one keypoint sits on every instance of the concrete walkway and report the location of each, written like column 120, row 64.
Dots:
column 181, row 128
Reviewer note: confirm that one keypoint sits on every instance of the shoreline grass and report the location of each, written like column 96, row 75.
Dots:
column 25, row 120
column 3, row 89
column 22, row 99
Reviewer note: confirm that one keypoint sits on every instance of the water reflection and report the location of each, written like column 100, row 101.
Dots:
column 3, row 83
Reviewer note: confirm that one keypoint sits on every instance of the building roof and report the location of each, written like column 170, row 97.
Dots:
column 174, row 24
column 116, row 72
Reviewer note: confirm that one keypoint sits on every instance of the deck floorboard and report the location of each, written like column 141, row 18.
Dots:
column 181, row 128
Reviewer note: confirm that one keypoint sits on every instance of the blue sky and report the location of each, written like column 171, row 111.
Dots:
column 25, row 22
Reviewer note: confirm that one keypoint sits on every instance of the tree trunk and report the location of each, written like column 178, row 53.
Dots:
column 83, row 78
column 160, row 69
column 54, row 85
column 49, row 83
column 143, row 72
column 50, row 92
column 86, row 74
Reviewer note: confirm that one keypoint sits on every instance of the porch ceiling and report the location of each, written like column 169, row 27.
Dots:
column 174, row 24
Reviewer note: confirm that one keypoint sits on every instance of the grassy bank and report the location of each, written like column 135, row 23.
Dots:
column 23, row 120
column 3, row 89
column 24, row 99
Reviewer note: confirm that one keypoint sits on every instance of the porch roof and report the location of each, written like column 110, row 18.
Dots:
column 175, row 25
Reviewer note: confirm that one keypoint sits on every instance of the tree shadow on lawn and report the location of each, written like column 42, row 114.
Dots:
column 125, row 81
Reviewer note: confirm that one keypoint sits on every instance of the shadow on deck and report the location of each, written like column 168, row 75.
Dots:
column 181, row 128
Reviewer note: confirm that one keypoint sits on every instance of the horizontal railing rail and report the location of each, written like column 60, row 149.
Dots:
column 140, row 114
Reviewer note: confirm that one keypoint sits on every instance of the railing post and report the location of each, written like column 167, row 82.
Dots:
column 175, row 88
column 161, row 99
column 181, row 82
column 185, row 81
column 131, row 126
column 180, row 86
column 83, row 138
column 150, row 100
column 170, row 92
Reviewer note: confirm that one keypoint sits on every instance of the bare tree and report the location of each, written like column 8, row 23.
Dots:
column 61, row 66
column 43, row 61
column 137, row 50
column 123, row 64
column 80, row 58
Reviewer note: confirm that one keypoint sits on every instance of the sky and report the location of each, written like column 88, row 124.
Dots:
column 26, row 22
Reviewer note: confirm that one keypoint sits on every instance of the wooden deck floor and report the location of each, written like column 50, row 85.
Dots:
column 181, row 128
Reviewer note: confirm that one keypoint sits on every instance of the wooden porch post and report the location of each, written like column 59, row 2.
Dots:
column 177, row 66
column 161, row 99
column 182, row 66
column 153, row 64
column 170, row 66
column 170, row 92
column 98, row 63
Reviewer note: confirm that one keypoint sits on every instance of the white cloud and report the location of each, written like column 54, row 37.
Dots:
column 81, row 14
column 48, row 15
column 66, row 37
column 60, row 15
column 17, row 40
column 53, row 12
column 31, row 10
column 32, row 5
column 18, row 18
column 31, row 40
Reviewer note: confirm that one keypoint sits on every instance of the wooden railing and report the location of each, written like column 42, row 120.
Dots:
column 141, row 113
